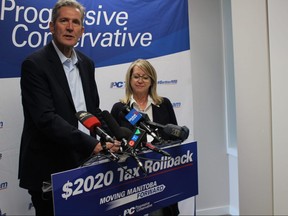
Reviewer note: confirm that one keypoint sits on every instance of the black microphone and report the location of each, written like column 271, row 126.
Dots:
column 173, row 131
column 139, row 163
column 136, row 118
column 176, row 131
column 155, row 149
column 121, row 134
column 92, row 123
column 133, row 139
column 114, row 127
column 136, row 139
column 126, row 132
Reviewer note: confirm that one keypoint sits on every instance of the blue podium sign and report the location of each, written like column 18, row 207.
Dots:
column 122, row 188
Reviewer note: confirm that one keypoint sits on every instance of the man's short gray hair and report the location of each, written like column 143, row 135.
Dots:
column 70, row 3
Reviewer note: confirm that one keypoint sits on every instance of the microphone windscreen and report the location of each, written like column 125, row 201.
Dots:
column 145, row 117
column 126, row 133
column 172, row 130
column 91, row 122
column 175, row 131
column 112, row 124
column 185, row 133
column 125, row 109
column 123, row 112
column 88, row 120
column 121, row 115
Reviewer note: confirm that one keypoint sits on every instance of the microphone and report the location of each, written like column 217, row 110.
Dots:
column 133, row 142
column 134, row 139
column 119, row 132
column 155, row 149
column 176, row 131
column 135, row 118
column 173, row 131
column 126, row 132
column 92, row 123
column 139, row 163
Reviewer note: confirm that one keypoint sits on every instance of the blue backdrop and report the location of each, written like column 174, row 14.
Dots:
column 113, row 35
column 116, row 33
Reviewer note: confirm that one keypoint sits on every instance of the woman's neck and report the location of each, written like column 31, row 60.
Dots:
column 141, row 99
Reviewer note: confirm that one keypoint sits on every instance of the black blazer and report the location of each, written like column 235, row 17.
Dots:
column 50, row 139
column 162, row 114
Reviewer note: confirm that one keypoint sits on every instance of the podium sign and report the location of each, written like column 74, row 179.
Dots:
column 111, row 188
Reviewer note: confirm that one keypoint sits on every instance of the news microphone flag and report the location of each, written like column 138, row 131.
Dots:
column 136, row 138
column 133, row 117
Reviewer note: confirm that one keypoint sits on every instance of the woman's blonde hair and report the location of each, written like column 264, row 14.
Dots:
column 151, row 72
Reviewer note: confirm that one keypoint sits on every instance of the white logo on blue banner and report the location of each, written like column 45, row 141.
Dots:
column 117, row 189
column 115, row 31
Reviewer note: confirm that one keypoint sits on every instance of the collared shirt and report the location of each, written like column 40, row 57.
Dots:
column 147, row 110
column 74, row 81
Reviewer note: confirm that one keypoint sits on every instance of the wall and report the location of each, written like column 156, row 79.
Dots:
column 253, row 105
column 278, row 32
column 209, row 106
column 260, row 64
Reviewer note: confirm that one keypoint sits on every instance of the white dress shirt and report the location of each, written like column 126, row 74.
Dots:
column 74, row 81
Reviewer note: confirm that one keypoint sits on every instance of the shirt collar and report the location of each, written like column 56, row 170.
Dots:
column 63, row 58
column 149, row 102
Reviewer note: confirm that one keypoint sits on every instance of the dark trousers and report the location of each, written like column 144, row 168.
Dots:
column 171, row 210
column 42, row 202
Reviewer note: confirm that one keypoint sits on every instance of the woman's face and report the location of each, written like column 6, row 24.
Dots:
column 140, row 81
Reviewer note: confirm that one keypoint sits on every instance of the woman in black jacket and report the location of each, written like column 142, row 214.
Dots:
column 141, row 95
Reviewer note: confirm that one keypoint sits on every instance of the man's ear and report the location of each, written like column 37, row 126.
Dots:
column 51, row 27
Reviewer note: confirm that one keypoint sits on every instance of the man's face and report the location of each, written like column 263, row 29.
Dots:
column 67, row 29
